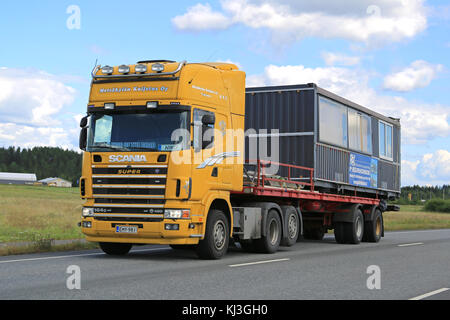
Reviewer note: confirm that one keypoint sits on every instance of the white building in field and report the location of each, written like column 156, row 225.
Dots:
column 56, row 182
column 17, row 178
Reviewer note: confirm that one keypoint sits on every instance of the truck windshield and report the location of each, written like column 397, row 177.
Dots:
column 158, row 131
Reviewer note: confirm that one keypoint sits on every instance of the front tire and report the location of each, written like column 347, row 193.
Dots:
column 217, row 236
column 354, row 231
column 115, row 249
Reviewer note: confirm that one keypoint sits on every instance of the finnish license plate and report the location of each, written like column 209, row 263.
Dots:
column 126, row 229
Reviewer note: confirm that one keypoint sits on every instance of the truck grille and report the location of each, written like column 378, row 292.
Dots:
column 129, row 189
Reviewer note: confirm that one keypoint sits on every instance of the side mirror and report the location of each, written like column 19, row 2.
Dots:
column 83, row 139
column 208, row 119
column 84, row 121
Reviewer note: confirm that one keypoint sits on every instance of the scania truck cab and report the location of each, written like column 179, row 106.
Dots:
column 156, row 165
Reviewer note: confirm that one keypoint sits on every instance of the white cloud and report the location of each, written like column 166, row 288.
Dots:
column 33, row 105
column 434, row 168
column 201, row 17
column 421, row 122
column 32, row 97
column 418, row 75
column 332, row 59
column 357, row 20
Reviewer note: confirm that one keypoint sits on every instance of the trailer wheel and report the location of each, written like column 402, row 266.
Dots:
column 339, row 232
column 292, row 228
column 115, row 249
column 374, row 229
column 217, row 236
column 271, row 241
column 354, row 231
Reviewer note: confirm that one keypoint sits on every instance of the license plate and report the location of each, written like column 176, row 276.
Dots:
column 126, row 229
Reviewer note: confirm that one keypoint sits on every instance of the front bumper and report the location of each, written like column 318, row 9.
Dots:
column 153, row 232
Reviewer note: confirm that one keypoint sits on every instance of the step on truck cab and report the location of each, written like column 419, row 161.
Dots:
column 164, row 163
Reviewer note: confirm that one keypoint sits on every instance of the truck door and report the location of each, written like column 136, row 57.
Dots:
column 204, row 170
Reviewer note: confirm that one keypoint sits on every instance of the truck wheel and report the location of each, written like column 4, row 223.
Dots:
column 374, row 229
column 339, row 234
column 271, row 241
column 292, row 228
column 353, row 231
column 217, row 236
column 115, row 249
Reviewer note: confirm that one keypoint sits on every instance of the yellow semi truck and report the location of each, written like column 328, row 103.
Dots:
column 163, row 163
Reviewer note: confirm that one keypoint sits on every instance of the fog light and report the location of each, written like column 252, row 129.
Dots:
column 152, row 105
column 171, row 226
column 87, row 224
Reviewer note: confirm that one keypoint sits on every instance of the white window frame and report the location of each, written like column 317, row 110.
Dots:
column 385, row 140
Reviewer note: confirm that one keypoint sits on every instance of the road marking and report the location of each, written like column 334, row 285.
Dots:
column 429, row 294
column 77, row 255
column 410, row 244
column 257, row 262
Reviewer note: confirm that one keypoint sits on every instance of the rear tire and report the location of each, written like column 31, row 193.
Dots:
column 339, row 234
column 354, row 231
column 373, row 230
column 292, row 228
column 217, row 236
column 115, row 249
column 271, row 241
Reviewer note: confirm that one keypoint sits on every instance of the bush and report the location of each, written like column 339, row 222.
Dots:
column 438, row 205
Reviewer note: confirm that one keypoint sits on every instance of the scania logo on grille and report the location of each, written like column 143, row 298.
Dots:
column 127, row 158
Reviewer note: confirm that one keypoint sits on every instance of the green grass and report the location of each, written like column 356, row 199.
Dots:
column 414, row 217
column 39, row 214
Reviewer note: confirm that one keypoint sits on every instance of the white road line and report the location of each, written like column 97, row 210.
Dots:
column 76, row 255
column 429, row 294
column 410, row 244
column 257, row 262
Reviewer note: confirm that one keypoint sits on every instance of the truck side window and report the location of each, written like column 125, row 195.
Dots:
column 203, row 136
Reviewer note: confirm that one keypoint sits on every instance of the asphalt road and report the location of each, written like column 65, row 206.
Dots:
column 412, row 264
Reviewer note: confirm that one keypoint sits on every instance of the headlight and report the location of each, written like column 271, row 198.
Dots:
column 177, row 214
column 87, row 212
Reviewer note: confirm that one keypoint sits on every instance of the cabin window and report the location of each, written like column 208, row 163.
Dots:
column 359, row 131
column 385, row 137
column 203, row 134
column 332, row 122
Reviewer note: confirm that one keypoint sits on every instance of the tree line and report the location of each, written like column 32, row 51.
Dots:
column 418, row 194
column 45, row 162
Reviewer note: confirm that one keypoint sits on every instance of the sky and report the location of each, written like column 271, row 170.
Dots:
column 392, row 56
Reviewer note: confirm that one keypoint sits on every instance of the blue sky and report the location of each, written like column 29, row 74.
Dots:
column 391, row 56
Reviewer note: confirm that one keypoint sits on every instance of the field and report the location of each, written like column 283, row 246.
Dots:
column 38, row 215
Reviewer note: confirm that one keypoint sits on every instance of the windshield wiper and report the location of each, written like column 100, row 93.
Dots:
column 108, row 146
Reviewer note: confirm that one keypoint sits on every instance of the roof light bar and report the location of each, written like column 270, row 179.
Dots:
column 107, row 70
